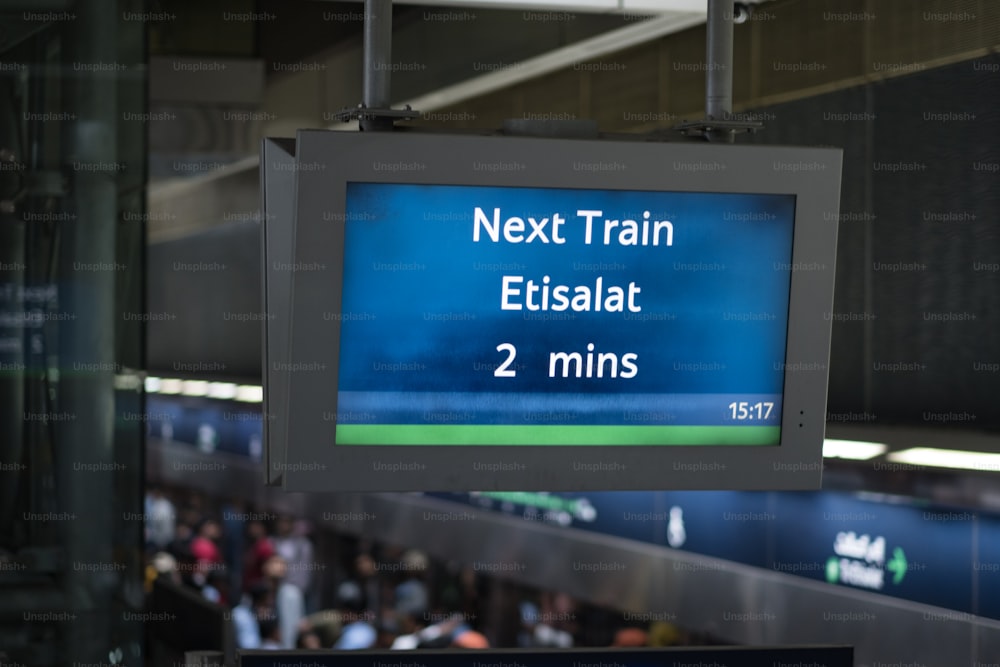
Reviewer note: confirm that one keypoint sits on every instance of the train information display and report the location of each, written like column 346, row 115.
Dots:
column 498, row 313
column 558, row 317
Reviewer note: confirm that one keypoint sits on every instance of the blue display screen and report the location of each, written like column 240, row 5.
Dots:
column 502, row 315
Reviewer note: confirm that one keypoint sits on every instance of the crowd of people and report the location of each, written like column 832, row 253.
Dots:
column 265, row 570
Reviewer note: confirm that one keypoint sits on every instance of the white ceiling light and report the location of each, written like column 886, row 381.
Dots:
column 171, row 386
column 947, row 458
column 222, row 390
column 855, row 450
column 249, row 393
column 195, row 388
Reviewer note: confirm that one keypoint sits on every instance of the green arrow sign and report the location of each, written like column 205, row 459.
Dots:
column 833, row 570
column 897, row 565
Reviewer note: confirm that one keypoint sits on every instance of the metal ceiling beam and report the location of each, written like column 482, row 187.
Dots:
column 576, row 6
column 166, row 196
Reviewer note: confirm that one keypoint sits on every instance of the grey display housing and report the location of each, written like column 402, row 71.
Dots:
column 302, row 347
column 277, row 188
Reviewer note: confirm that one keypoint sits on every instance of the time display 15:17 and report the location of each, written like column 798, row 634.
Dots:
column 745, row 411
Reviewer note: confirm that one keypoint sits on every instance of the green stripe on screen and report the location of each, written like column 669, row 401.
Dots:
column 534, row 434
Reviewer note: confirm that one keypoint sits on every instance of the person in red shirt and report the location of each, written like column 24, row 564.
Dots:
column 204, row 547
column 205, row 551
column 260, row 550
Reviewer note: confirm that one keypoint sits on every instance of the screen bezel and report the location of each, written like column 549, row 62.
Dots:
column 832, row 655
column 327, row 161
